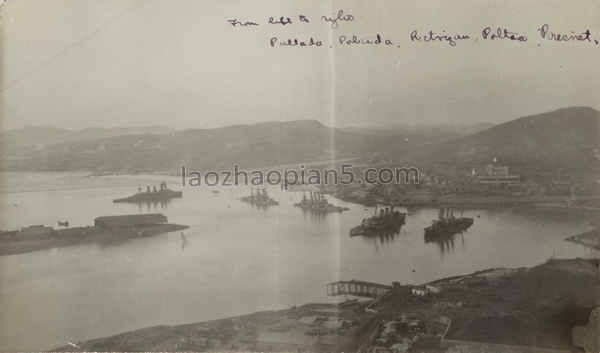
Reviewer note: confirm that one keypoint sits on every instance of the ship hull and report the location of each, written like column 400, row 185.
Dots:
column 262, row 203
column 320, row 209
column 150, row 197
column 449, row 229
column 369, row 231
column 373, row 228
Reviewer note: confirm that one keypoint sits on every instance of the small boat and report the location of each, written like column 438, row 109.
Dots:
column 215, row 191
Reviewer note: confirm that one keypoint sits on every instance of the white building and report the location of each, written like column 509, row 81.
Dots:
column 419, row 291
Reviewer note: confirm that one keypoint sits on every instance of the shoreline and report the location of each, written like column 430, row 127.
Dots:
column 79, row 235
column 498, row 296
column 473, row 201
column 555, row 202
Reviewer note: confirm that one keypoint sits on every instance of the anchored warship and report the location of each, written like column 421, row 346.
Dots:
column 447, row 224
column 154, row 195
column 387, row 219
column 317, row 202
column 260, row 198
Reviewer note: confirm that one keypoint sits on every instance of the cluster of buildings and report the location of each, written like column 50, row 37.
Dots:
column 496, row 174
column 493, row 179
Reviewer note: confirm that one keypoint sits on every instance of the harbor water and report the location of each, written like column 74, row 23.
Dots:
column 238, row 258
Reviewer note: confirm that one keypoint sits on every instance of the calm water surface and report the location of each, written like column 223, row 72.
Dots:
column 239, row 258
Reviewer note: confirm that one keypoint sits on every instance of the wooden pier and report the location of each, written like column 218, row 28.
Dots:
column 358, row 288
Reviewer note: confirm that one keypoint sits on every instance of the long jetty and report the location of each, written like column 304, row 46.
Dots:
column 358, row 288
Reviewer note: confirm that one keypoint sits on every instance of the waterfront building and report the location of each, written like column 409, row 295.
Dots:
column 497, row 174
column 130, row 220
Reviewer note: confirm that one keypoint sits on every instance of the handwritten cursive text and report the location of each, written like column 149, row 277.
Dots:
column 295, row 42
column 432, row 37
column 235, row 22
column 367, row 40
column 547, row 34
column 340, row 17
column 502, row 34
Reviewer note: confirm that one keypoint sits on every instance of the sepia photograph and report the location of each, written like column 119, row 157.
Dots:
column 380, row 176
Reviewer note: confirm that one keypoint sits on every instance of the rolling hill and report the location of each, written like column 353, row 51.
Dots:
column 560, row 139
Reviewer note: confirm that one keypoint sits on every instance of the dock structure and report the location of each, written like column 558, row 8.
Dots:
column 358, row 288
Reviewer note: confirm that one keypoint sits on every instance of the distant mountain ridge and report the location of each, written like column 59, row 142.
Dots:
column 249, row 146
column 47, row 134
column 558, row 140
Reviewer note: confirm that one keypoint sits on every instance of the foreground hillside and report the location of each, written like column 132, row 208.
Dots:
column 505, row 310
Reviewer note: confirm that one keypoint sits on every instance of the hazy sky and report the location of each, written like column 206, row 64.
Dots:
column 77, row 64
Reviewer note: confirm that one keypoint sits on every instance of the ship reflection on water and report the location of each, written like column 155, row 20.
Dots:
column 314, row 215
column 153, row 205
column 385, row 236
column 446, row 242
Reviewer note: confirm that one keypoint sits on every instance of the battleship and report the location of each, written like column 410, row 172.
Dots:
column 386, row 220
column 153, row 195
column 260, row 198
column 318, row 203
column 447, row 224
